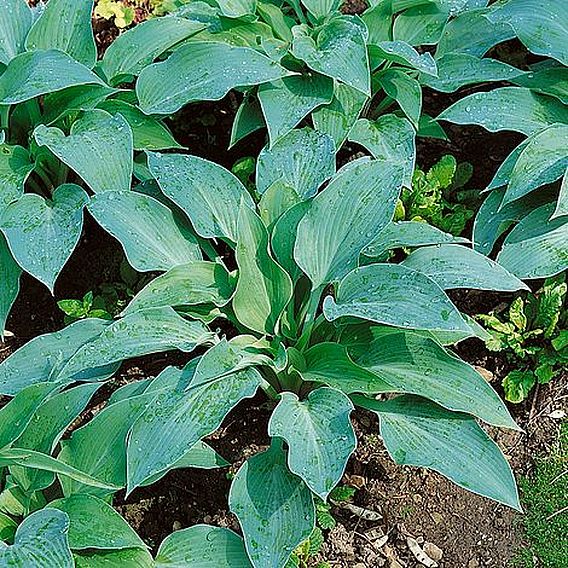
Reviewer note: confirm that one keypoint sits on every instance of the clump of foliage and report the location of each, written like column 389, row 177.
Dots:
column 544, row 497
column 291, row 265
column 123, row 12
column 433, row 197
column 533, row 333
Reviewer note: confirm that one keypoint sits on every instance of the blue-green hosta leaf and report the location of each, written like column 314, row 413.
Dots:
column 149, row 232
column 405, row 90
column 456, row 266
column 99, row 447
column 36, row 73
column 321, row 8
column 237, row 8
column 43, row 432
column 420, row 25
column 378, row 19
column 286, row 102
column 143, row 332
column 319, row 435
column 456, row 70
column 507, row 108
column 345, row 217
column 199, row 282
column 15, row 22
column 543, row 159
column 10, row 273
column 562, row 203
column 537, row 247
column 274, row 507
column 36, row 460
column 415, row 364
column 15, row 167
column 178, row 419
column 95, row 524
column 187, row 75
column 394, row 295
column 204, row 546
column 213, row 207
column 409, row 234
column 17, row 414
column 65, row 26
column 337, row 118
column 540, row 25
column 41, row 542
column 338, row 51
column 330, row 363
column 390, row 138
column 249, row 119
column 42, row 234
column 263, row 288
column 137, row 47
column 41, row 359
column 418, row 432
column 470, row 33
column 548, row 81
column 303, row 159
column 125, row 558
column 404, row 54
column 99, row 148
column 148, row 133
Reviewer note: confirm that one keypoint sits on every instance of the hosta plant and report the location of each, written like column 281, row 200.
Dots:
column 286, row 304
column 532, row 333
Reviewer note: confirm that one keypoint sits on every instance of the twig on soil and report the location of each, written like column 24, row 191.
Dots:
column 559, row 512
column 534, row 401
column 559, row 476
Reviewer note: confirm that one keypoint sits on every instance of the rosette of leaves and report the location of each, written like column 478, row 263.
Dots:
column 313, row 324
column 533, row 335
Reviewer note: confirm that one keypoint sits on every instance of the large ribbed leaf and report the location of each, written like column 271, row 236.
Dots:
column 148, row 133
column 456, row 70
column 287, row 101
column 405, row 90
column 507, row 108
column 204, row 546
column 15, row 22
column 199, row 282
column 337, row 118
column 562, row 203
column 95, row 524
column 41, row 542
column 149, row 232
column 551, row 80
column 41, row 359
column 263, row 288
column 543, row 159
column 394, row 295
column 470, row 33
column 390, row 138
column 36, row 73
column 10, row 273
column 178, row 419
column 403, row 53
column 99, row 148
column 248, row 119
column 187, row 75
column 330, row 363
column 147, row 331
column 65, row 26
column 418, row 432
column 319, row 435
column 338, row 51
column 415, row 364
column 345, row 217
column 209, row 194
column 420, row 25
column 321, row 8
column 44, row 431
column 303, row 160
column 542, row 25
column 538, row 246
column 455, row 266
column 274, row 507
column 42, row 234
column 125, row 558
column 132, row 50
column 409, row 234
column 15, row 167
